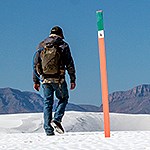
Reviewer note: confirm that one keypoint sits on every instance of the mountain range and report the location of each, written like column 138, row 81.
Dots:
column 133, row 101
column 16, row 101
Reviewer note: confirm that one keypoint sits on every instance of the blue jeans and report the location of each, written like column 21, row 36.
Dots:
column 61, row 93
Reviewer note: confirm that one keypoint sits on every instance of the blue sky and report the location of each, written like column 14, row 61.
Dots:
column 24, row 23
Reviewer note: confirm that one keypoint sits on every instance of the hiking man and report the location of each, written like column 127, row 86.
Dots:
column 50, row 62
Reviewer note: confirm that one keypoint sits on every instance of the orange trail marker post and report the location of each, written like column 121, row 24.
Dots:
column 103, row 71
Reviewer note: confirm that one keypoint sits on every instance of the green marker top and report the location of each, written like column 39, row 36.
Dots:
column 99, row 15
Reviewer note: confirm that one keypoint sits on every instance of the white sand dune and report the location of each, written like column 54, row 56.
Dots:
column 83, row 131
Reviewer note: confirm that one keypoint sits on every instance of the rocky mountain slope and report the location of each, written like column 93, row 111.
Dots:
column 134, row 101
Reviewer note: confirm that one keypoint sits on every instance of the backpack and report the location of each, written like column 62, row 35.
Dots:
column 50, row 58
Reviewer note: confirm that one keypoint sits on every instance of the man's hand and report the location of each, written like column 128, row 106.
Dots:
column 72, row 86
column 36, row 86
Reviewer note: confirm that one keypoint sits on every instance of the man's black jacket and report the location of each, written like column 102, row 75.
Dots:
column 67, row 60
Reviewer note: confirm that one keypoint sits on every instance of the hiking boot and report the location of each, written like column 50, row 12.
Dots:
column 50, row 134
column 58, row 127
